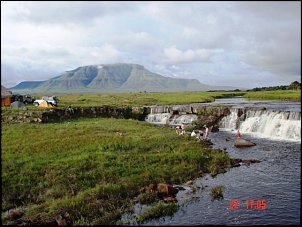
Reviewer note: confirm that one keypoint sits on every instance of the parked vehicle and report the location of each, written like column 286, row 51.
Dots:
column 53, row 100
column 16, row 97
column 26, row 99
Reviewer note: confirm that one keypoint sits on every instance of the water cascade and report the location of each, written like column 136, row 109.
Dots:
column 267, row 123
column 161, row 118
column 275, row 127
column 165, row 118
column 183, row 119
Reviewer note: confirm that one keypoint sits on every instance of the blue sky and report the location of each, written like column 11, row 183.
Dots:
column 242, row 44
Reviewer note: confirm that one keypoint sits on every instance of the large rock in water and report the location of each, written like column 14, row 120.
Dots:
column 239, row 142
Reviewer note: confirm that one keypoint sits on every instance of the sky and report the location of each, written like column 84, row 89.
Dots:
column 244, row 44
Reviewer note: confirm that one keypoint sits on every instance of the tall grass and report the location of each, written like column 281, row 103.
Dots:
column 83, row 167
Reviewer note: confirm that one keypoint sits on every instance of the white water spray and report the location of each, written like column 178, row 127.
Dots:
column 277, row 124
column 165, row 118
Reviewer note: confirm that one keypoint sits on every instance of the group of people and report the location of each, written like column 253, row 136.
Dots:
column 199, row 133
column 180, row 130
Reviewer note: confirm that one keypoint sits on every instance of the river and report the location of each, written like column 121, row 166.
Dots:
column 273, row 185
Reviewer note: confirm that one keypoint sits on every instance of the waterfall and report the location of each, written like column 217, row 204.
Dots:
column 183, row 119
column 162, row 118
column 165, row 118
column 267, row 123
column 270, row 123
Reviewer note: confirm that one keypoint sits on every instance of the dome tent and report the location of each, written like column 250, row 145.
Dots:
column 17, row 104
column 46, row 104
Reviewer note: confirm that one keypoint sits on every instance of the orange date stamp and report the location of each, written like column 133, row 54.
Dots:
column 259, row 204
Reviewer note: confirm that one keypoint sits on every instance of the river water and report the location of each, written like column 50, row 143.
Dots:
column 274, row 183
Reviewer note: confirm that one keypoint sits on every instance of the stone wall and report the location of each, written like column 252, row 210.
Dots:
column 54, row 115
column 204, row 110
column 209, row 115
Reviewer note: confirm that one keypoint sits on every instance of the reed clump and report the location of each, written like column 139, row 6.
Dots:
column 217, row 192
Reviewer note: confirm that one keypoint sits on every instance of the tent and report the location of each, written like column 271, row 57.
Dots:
column 46, row 104
column 17, row 104
column 5, row 96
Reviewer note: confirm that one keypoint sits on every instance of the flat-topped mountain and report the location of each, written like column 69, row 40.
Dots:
column 105, row 78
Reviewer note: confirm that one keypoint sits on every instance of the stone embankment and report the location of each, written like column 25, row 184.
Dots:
column 210, row 115
column 45, row 115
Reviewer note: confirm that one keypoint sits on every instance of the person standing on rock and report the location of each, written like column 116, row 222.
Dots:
column 206, row 136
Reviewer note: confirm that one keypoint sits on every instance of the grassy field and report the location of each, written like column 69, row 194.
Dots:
column 137, row 99
column 293, row 95
column 83, row 168
column 165, row 98
column 91, row 169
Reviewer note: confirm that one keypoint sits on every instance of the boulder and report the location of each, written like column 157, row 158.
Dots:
column 165, row 189
column 239, row 142
column 170, row 200
column 215, row 128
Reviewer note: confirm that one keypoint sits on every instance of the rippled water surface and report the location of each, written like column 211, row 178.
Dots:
column 268, row 104
column 276, row 180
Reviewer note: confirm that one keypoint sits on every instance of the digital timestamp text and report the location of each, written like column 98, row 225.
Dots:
column 248, row 204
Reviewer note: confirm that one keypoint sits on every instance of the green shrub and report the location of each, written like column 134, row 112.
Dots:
column 217, row 192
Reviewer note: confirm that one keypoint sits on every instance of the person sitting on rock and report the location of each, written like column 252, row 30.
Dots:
column 177, row 130
column 238, row 134
column 200, row 134
column 183, row 130
column 193, row 133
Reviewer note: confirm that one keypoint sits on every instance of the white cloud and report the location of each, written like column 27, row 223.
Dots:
column 197, row 39
column 175, row 56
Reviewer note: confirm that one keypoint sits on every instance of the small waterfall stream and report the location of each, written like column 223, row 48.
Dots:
column 276, row 180
column 265, row 123
column 165, row 118
column 272, row 122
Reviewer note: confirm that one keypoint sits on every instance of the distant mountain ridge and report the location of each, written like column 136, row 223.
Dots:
column 105, row 78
